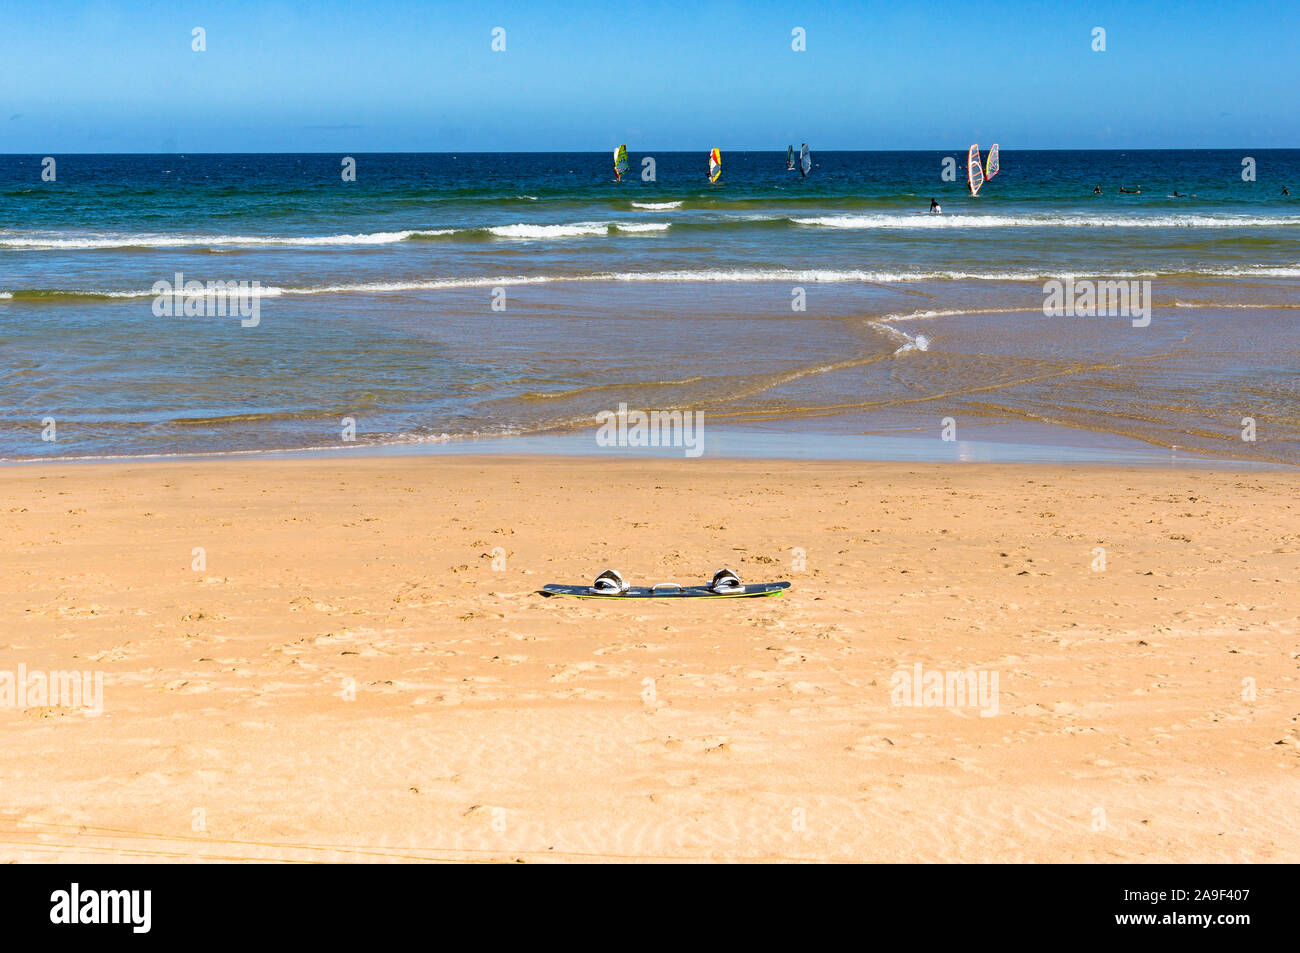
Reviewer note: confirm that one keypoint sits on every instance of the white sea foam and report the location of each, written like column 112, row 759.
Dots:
column 957, row 220
column 391, row 440
column 397, row 287
column 953, row 313
column 575, row 230
column 1253, row 271
column 918, row 343
column 1237, row 306
column 907, row 342
column 818, row 275
column 153, row 240
column 718, row 276
column 528, row 231
column 571, row 230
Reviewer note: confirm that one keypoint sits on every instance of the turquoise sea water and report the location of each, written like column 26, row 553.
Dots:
column 444, row 297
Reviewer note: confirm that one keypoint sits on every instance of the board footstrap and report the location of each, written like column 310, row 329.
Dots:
column 610, row 583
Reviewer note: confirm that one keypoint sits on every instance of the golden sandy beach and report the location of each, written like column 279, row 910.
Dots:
column 346, row 660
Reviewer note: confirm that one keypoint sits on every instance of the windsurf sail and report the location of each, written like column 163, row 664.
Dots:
column 715, row 165
column 974, row 171
column 805, row 159
column 620, row 160
column 789, row 157
column 991, row 166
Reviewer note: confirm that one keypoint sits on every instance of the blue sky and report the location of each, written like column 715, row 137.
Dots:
column 379, row 75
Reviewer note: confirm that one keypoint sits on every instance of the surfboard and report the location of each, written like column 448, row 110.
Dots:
column 667, row 591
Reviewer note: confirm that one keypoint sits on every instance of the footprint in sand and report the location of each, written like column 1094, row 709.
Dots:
column 306, row 602
column 80, row 612
column 186, row 686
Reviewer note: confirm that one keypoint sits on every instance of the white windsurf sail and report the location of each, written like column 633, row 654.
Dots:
column 974, row 171
column 805, row 159
column 991, row 166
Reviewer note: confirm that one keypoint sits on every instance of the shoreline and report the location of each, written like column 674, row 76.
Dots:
column 1105, row 450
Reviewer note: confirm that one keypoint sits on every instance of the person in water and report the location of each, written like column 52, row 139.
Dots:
column 1124, row 191
column 1179, row 195
column 934, row 206
column 1096, row 190
column 1284, row 190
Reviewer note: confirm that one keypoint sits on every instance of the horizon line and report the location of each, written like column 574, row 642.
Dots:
column 778, row 150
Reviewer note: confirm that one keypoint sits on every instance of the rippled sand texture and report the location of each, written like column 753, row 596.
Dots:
column 347, row 677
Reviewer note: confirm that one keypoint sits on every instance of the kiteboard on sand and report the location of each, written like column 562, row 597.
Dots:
column 610, row 585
